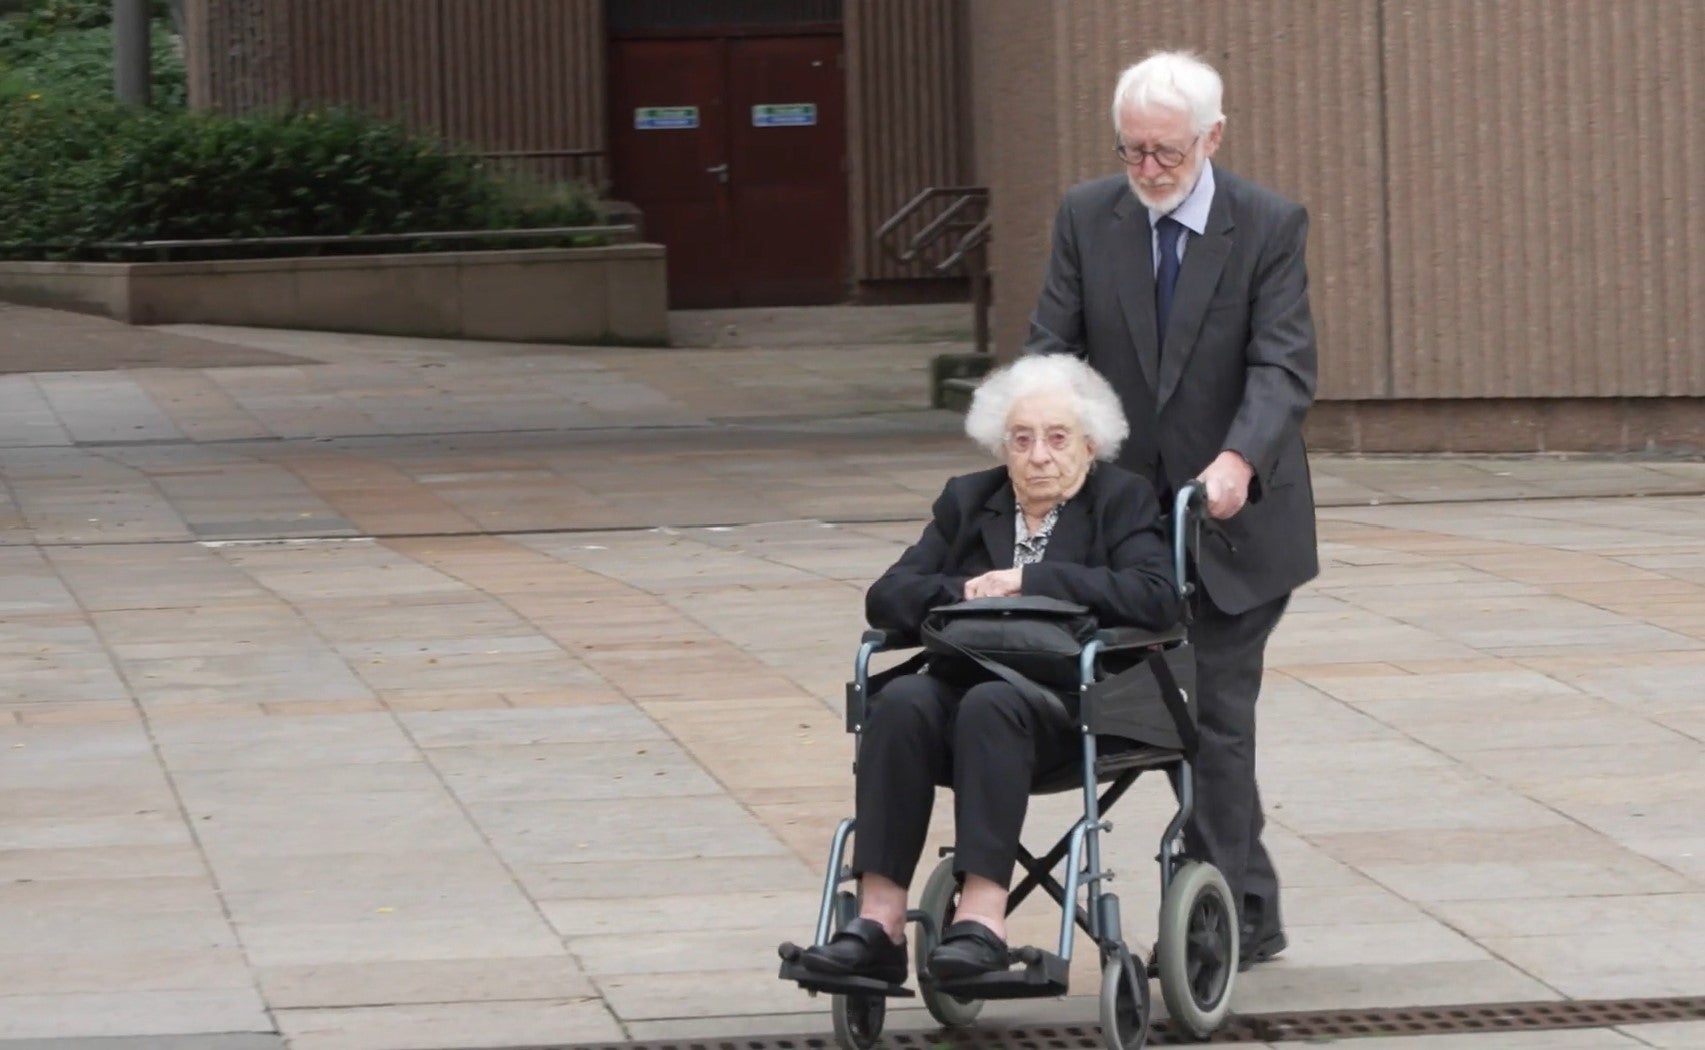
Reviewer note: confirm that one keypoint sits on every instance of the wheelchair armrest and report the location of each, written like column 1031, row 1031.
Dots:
column 873, row 641
column 879, row 640
column 1118, row 639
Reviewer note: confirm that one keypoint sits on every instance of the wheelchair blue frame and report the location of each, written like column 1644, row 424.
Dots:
column 1082, row 841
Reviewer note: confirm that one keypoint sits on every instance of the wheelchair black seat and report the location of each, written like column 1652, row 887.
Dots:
column 1114, row 757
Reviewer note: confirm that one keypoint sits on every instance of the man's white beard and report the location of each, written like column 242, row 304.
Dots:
column 1164, row 204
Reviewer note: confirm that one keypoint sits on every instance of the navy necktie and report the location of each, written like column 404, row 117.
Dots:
column 1167, row 231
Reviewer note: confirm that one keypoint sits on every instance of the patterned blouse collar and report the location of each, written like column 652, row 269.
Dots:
column 1027, row 549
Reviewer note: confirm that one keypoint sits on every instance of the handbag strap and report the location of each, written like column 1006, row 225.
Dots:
column 1028, row 688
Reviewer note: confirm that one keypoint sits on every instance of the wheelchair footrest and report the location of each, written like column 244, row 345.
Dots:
column 1041, row 974
column 834, row 984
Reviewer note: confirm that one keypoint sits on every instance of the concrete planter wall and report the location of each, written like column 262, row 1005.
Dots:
column 612, row 294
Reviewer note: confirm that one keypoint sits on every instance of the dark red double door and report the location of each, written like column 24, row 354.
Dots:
column 735, row 150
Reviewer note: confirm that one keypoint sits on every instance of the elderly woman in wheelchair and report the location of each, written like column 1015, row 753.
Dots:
column 1056, row 521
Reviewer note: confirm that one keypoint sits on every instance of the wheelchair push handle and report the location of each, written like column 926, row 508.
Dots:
column 1188, row 506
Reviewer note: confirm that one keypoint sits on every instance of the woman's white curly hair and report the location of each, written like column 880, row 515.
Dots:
column 1100, row 416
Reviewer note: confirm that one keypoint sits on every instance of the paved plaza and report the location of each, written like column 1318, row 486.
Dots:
column 378, row 693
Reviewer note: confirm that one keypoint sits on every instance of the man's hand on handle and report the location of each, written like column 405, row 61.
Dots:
column 1227, row 481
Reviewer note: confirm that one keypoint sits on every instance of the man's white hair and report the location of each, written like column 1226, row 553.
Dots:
column 1175, row 80
column 1099, row 414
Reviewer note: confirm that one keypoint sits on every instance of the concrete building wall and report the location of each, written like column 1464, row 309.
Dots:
column 1508, row 216
column 1589, row 279
column 503, row 76
column 908, row 90
column 1505, row 197
column 528, row 76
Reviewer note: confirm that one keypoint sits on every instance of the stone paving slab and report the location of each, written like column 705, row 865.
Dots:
column 220, row 1041
column 123, row 1013
column 411, row 695
column 378, row 436
column 452, row 1024
column 34, row 340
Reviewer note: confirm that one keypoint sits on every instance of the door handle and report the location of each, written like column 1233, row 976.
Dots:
column 719, row 170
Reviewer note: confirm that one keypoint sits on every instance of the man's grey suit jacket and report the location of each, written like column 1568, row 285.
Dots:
column 1237, row 370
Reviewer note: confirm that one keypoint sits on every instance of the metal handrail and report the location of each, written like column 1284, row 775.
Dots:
column 974, row 238
column 538, row 154
column 528, row 233
column 964, row 197
column 947, row 222
column 969, row 246
column 616, row 233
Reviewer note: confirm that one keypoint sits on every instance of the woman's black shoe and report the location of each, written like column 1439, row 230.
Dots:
column 863, row 949
column 967, row 949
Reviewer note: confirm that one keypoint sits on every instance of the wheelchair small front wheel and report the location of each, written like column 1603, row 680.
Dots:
column 1197, row 949
column 940, row 897
column 1125, row 1005
column 858, row 1020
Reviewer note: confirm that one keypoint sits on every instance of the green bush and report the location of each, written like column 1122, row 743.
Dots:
column 78, row 175
column 75, row 65
column 42, row 17
column 528, row 202
column 79, row 171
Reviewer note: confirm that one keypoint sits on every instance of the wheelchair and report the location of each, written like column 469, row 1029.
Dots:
column 1136, row 714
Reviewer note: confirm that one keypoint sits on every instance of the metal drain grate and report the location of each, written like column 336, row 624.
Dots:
column 1478, row 1017
column 1301, row 1026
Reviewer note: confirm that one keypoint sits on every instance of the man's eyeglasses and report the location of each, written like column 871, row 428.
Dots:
column 1022, row 441
column 1168, row 157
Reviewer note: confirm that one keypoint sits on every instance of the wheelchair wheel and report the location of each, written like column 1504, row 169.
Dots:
column 1197, row 949
column 858, row 1020
column 940, row 897
column 1125, row 1002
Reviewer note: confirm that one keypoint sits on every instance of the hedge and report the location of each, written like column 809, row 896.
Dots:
column 81, row 174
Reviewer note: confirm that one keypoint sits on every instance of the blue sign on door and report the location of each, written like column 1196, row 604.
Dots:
column 784, row 115
column 663, row 118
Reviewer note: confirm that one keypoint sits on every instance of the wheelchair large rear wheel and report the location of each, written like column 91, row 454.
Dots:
column 1125, row 1005
column 1197, row 949
column 940, row 897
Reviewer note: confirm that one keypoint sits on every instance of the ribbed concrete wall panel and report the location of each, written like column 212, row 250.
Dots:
column 907, row 88
column 1303, row 116
column 382, row 56
column 236, row 54
column 199, row 74
column 1017, row 43
column 525, row 75
column 1548, row 206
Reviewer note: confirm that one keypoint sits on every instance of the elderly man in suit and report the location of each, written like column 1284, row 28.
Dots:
column 1185, row 286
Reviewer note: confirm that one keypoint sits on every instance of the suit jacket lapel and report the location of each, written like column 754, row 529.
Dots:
column 1070, row 539
column 998, row 526
column 1133, row 270
column 1204, row 258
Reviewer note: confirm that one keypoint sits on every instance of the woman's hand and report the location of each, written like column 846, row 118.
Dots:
column 1000, row 583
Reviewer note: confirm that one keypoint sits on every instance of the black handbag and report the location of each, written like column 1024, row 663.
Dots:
column 1031, row 642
